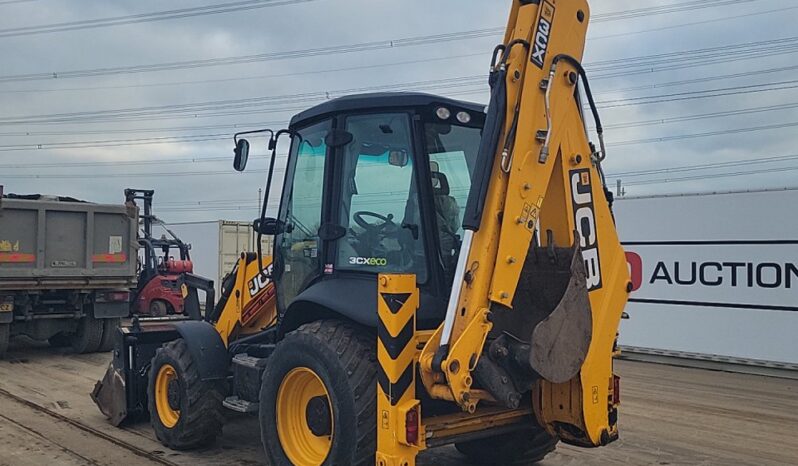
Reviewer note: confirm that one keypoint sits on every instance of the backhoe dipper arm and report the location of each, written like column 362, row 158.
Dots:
column 554, row 303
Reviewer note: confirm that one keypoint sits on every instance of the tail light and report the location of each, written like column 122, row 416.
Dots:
column 411, row 426
column 616, row 390
column 114, row 296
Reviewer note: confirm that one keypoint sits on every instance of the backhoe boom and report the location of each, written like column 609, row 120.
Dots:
column 541, row 280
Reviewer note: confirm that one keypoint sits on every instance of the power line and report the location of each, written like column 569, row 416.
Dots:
column 694, row 23
column 617, row 103
column 248, row 78
column 146, row 17
column 262, row 57
column 703, row 116
column 222, row 136
column 227, row 172
column 706, row 166
column 352, row 48
column 682, row 137
column 704, row 94
column 195, row 109
column 713, row 176
column 764, row 48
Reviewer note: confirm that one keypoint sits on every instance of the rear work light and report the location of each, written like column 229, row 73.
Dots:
column 411, row 426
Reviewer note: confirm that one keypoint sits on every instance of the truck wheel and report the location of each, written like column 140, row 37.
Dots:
column 185, row 411
column 109, row 334
column 5, row 337
column 59, row 340
column 88, row 335
column 516, row 448
column 318, row 398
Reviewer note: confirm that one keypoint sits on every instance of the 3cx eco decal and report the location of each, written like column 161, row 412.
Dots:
column 369, row 261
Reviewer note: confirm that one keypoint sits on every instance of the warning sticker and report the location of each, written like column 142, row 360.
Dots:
column 114, row 244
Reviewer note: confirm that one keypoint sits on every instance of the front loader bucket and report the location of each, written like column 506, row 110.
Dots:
column 551, row 320
column 110, row 395
column 122, row 393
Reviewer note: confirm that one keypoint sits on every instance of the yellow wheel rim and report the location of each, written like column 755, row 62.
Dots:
column 303, row 427
column 166, row 412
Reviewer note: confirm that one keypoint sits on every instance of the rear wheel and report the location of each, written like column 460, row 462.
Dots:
column 109, row 334
column 88, row 336
column 516, row 448
column 59, row 340
column 185, row 411
column 158, row 308
column 318, row 397
column 5, row 337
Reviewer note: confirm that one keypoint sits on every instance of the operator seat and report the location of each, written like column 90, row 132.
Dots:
column 447, row 212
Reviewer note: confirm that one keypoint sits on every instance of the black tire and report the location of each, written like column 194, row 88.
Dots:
column 516, row 448
column 5, row 337
column 344, row 359
column 158, row 308
column 109, row 334
column 60, row 340
column 200, row 403
column 88, row 336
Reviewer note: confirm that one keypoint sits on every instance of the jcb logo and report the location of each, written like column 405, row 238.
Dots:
column 257, row 284
column 541, row 43
column 585, row 219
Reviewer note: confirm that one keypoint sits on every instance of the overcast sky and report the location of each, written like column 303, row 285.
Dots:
column 634, row 56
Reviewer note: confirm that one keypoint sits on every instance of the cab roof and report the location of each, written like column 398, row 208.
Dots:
column 382, row 100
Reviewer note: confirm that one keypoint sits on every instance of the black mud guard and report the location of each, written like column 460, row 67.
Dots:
column 206, row 348
column 354, row 299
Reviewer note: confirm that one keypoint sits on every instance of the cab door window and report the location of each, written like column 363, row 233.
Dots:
column 298, row 253
column 379, row 199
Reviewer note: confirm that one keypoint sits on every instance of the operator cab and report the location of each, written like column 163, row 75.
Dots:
column 374, row 184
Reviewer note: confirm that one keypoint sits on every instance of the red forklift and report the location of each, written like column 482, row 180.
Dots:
column 163, row 266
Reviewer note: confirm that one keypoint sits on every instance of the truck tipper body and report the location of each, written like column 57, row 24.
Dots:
column 66, row 267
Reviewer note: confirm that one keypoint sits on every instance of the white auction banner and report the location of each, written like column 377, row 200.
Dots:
column 713, row 273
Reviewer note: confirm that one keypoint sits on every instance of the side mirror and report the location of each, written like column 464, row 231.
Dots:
column 241, row 155
column 268, row 226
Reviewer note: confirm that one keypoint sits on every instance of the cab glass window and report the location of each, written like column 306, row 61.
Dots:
column 379, row 207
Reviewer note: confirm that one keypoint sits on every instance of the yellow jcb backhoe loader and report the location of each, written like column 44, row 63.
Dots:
column 443, row 273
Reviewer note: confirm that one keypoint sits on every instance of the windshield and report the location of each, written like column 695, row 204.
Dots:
column 379, row 207
column 452, row 153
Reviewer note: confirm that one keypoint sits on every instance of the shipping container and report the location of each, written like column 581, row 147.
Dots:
column 65, row 265
column 714, row 274
column 216, row 246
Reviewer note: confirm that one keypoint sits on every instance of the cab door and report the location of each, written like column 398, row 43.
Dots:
column 298, row 247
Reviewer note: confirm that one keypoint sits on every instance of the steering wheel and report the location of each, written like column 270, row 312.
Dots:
column 358, row 218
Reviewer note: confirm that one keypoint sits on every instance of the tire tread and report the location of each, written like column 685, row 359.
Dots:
column 201, row 420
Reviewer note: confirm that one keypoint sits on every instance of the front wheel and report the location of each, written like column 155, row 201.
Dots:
column 185, row 411
column 318, row 399
column 5, row 337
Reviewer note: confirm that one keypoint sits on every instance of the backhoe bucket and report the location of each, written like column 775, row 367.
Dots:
column 550, row 324
column 560, row 342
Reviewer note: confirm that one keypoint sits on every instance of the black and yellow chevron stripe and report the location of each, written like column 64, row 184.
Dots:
column 396, row 351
